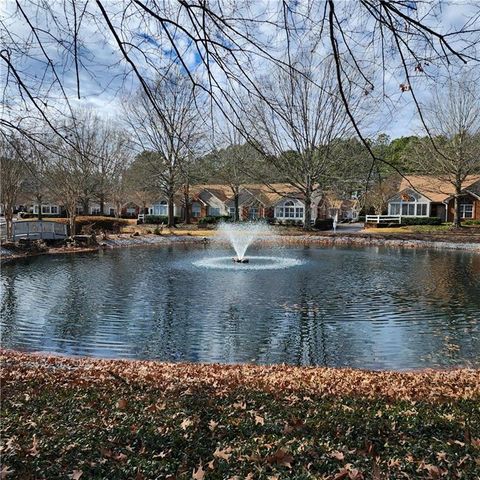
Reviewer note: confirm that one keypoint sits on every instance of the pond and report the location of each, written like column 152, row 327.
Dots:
column 365, row 308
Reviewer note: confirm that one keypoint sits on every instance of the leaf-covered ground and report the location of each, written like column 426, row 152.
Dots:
column 98, row 419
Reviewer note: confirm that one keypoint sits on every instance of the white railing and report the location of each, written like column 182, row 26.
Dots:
column 383, row 219
column 141, row 217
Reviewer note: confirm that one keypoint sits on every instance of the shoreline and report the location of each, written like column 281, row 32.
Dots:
column 426, row 384
column 353, row 240
column 125, row 419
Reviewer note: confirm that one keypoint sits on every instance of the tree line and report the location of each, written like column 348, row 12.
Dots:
column 306, row 140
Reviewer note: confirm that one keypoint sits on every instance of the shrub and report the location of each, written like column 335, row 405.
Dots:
column 361, row 219
column 158, row 219
column 97, row 224
column 421, row 221
column 472, row 222
column 213, row 220
column 324, row 224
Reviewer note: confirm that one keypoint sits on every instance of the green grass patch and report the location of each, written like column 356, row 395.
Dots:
column 57, row 426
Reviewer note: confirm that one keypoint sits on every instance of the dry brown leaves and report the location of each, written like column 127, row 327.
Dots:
column 430, row 385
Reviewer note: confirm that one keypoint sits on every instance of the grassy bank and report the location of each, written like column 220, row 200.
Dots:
column 66, row 418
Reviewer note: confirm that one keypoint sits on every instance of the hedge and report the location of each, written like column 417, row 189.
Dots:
column 213, row 220
column 421, row 221
column 159, row 219
column 98, row 224
column 324, row 224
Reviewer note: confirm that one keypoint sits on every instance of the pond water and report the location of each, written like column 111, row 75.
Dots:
column 365, row 308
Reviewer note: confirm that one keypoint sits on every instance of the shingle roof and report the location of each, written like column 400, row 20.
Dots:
column 434, row 188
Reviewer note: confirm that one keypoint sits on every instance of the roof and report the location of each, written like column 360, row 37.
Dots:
column 434, row 188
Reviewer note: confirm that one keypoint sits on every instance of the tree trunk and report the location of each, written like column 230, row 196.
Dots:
column 102, row 204
column 186, row 201
column 71, row 222
column 236, row 199
column 85, row 204
column 39, row 201
column 8, row 221
column 307, row 224
column 456, row 210
column 171, row 209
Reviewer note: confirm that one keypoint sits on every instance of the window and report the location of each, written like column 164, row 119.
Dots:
column 161, row 208
column 408, row 209
column 421, row 209
column 253, row 213
column 196, row 210
column 46, row 209
column 289, row 210
column 131, row 210
column 79, row 210
column 466, row 210
column 95, row 210
column 231, row 211
column 111, row 211
column 214, row 211
column 54, row 209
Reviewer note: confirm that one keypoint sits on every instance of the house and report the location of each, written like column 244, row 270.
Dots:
column 209, row 201
column 343, row 209
column 279, row 202
column 427, row 196
column 158, row 208
column 253, row 203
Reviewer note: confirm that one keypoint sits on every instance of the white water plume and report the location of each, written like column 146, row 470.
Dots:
column 242, row 235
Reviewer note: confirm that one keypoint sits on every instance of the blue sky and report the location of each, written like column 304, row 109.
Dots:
column 107, row 81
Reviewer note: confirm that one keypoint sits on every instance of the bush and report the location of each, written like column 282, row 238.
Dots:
column 158, row 219
column 324, row 224
column 213, row 220
column 97, row 224
column 421, row 221
column 361, row 219
column 472, row 222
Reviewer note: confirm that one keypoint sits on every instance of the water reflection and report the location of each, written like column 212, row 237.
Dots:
column 366, row 308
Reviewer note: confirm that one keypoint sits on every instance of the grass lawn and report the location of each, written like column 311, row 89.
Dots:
column 93, row 419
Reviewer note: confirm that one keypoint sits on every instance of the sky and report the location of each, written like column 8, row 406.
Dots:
column 107, row 81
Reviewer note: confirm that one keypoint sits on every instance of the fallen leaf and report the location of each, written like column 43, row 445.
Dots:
column 186, row 423
column 34, row 450
column 122, row 404
column 4, row 472
column 280, row 458
column 259, row 420
column 337, row 455
column 212, row 425
column 76, row 474
column 199, row 474
column 224, row 454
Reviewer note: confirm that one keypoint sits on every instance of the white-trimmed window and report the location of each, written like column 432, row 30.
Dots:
column 253, row 213
column 54, row 210
column 231, row 211
column 196, row 210
column 95, row 210
column 466, row 210
column 131, row 210
column 408, row 209
column 214, row 211
column 160, row 208
column 289, row 210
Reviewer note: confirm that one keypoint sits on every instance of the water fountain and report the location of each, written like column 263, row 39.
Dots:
column 242, row 235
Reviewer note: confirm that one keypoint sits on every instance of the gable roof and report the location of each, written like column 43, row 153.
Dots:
column 434, row 188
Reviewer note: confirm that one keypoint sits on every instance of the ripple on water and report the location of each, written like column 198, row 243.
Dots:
column 255, row 263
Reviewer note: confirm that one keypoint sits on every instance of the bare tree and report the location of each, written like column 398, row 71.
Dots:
column 300, row 131
column 168, row 131
column 224, row 42
column 113, row 156
column 13, row 176
column 453, row 152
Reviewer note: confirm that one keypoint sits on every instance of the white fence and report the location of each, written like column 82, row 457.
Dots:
column 383, row 219
column 39, row 230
